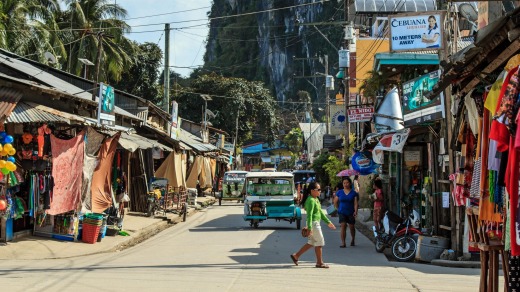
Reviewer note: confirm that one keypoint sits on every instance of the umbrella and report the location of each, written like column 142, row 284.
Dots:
column 348, row 172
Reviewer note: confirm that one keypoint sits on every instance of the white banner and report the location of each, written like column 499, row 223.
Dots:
column 416, row 32
column 393, row 142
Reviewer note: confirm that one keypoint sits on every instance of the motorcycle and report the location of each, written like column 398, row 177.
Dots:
column 399, row 234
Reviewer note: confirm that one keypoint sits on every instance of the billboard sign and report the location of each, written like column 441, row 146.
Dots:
column 106, row 114
column 417, row 108
column 416, row 31
column 363, row 114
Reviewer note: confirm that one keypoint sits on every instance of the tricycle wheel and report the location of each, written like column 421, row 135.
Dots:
column 298, row 224
column 184, row 212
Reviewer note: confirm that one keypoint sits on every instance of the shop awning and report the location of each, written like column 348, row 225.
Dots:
column 30, row 113
column 195, row 142
column 382, row 59
column 266, row 159
column 133, row 141
column 8, row 99
column 491, row 50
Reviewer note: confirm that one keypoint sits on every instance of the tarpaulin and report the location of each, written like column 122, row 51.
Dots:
column 101, row 188
column 67, row 170
column 173, row 169
column 89, row 165
column 205, row 175
column 195, row 170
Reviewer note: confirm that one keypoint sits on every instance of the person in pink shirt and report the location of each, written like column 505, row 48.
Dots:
column 379, row 200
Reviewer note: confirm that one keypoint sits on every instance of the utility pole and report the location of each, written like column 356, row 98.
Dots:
column 166, row 99
column 346, row 80
column 100, row 35
column 236, row 139
column 327, row 114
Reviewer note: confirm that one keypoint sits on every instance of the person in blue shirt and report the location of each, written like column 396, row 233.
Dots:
column 346, row 202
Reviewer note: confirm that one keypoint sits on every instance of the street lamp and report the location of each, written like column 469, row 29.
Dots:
column 86, row 62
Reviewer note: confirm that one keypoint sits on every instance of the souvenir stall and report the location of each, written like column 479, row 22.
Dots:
column 15, row 212
column 489, row 171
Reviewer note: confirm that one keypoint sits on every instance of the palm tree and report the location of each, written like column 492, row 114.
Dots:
column 27, row 27
column 82, row 21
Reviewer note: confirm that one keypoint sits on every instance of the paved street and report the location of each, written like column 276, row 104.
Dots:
column 215, row 250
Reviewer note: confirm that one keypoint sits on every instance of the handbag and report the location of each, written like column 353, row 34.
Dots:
column 305, row 232
column 331, row 210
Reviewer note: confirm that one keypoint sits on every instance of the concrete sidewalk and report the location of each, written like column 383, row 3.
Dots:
column 137, row 225
column 364, row 225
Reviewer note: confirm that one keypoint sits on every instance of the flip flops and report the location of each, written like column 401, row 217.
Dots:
column 322, row 266
column 295, row 261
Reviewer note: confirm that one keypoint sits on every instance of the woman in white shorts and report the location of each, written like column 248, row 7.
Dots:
column 314, row 216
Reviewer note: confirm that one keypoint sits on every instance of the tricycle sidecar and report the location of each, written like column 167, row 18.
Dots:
column 270, row 195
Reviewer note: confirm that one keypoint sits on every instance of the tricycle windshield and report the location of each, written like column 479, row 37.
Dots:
column 270, row 186
column 230, row 178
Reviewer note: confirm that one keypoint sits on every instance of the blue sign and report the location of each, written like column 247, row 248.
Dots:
column 363, row 163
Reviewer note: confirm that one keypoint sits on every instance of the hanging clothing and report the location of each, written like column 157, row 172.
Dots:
column 101, row 188
column 67, row 171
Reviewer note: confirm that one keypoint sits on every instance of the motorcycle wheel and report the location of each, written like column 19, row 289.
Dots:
column 380, row 246
column 404, row 248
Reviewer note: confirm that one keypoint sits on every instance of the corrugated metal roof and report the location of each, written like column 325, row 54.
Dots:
column 25, row 113
column 55, row 82
column 393, row 6
column 195, row 142
column 8, row 99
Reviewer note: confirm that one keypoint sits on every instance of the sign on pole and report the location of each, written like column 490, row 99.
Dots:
column 337, row 119
column 175, row 120
column 364, row 114
column 416, row 107
column 416, row 31
column 106, row 115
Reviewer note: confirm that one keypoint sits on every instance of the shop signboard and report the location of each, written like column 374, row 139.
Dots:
column 417, row 108
column 363, row 114
column 175, row 120
column 337, row 119
column 412, row 158
column 416, row 31
column 106, row 114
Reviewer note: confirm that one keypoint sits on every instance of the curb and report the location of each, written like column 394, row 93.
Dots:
column 154, row 229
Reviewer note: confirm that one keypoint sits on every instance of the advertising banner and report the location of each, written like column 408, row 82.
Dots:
column 416, row 31
column 106, row 115
column 175, row 120
column 416, row 107
column 337, row 119
column 364, row 114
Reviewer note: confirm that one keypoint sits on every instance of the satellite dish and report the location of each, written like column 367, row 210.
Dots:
column 468, row 11
column 50, row 58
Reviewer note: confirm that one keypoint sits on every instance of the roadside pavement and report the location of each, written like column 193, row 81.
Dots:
column 364, row 225
column 135, row 224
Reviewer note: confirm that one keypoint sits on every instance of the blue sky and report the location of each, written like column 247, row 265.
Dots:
column 187, row 45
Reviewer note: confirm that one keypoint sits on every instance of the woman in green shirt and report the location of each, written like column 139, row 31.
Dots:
column 315, row 214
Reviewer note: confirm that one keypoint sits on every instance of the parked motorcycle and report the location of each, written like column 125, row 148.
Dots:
column 399, row 234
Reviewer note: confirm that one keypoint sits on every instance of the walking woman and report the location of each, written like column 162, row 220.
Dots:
column 346, row 202
column 315, row 214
